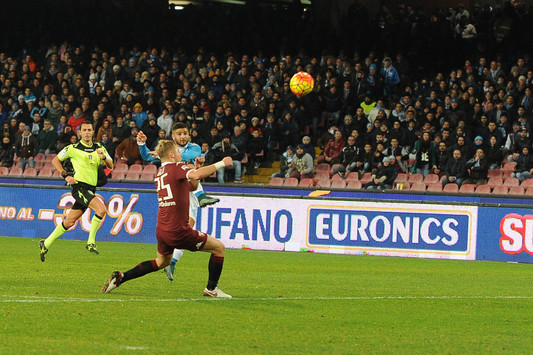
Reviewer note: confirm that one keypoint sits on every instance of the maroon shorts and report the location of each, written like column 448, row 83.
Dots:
column 188, row 239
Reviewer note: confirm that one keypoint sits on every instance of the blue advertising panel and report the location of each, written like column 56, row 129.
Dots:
column 505, row 234
column 34, row 213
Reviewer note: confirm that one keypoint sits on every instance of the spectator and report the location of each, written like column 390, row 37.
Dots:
column 400, row 154
column 494, row 153
column 478, row 167
column 349, row 159
column 441, row 159
column 284, row 162
column 256, row 146
column 105, row 128
column 138, row 115
column 165, row 121
column 64, row 138
column 524, row 165
column 424, row 150
column 223, row 149
column 108, row 144
column 26, row 148
column 455, row 169
column 128, row 150
column 120, row 131
column 383, row 177
column 519, row 142
column 308, row 147
column 333, row 149
column 76, row 119
column 301, row 166
column 271, row 134
column 151, row 130
column 47, row 139
column 390, row 76
column 7, row 153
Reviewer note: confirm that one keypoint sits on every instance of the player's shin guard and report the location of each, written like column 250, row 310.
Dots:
column 95, row 223
column 58, row 232
column 215, row 269
column 142, row 269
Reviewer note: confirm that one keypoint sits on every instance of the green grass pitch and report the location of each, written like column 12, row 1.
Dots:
column 283, row 303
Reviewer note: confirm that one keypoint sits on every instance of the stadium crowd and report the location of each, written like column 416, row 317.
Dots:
column 385, row 113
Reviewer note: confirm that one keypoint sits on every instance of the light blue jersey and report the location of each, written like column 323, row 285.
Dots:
column 188, row 153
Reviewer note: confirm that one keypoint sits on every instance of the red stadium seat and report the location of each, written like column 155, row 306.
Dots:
column 30, row 172
column 132, row 176
column 366, row 178
column 401, row 178
column 322, row 167
column 420, row 186
column 306, row 183
column 338, row 184
column 500, row 190
column 45, row 173
column 525, row 184
column 118, row 175
column 450, row 188
column 4, row 170
column 494, row 173
column 510, row 181
column 324, row 183
column 416, row 178
column 150, row 169
column 291, row 182
column 147, row 176
column 510, row 165
column 495, row 181
column 336, row 177
column 404, row 186
column 431, row 179
column 120, row 168
column 436, row 187
column 135, row 168
column 354, row 175
column 276, row 181
column 321, row 175
column 354, row 184
column 15, row 171
column 506, row 173
column 334, row 166
column 40, row 157
column 483, row 189
column 50, row 157
column 55, row 173
column 529, row 191
column 467, row 188
column 516, row 190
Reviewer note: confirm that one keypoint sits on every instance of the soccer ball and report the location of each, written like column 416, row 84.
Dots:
column 301, row 84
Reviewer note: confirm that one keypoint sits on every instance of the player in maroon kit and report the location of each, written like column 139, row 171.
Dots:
column 174, row 180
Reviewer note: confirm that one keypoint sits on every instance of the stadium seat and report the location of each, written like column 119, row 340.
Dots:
column 338, row 184
column 401, row 178
column 39, row 165
column 147, row 176
column 120, row 168
column 495, row 181
column 321, row 175
column 334, row 166
column 50, row 157
column 483, row 189
column 15, row 171
column 4, row 170
column 529, row 191
column 30, row 172
column 510, row 181
column 494, row 173
column 291, row 182
column 45, row 173
column 416, row 178
column 55, row 173
column 420, row 186
column 354, row 184
column 132, row 176
column 510, row 165
column 135, row 168
column 324, row 183
column 40, row 157
column 306, row 183
column 467, row 188
column 431, row 179
column 354, row 175
column 150, row 169
column 366, row 178
column 436, row 187
column 525, row 184
column 403, row 186
column 118, row 175
column 506, row 174
column 516, row 190
column 336, row 177
column 276, row 181
column 450, row 188
column 500, row 190
column 322, row 167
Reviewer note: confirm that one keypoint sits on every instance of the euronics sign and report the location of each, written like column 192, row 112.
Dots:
column 465, row 232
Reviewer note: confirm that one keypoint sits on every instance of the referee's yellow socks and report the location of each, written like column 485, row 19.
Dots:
column 95, row 223
column 58, row 232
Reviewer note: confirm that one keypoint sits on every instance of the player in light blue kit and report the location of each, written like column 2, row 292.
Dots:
column 191, row 154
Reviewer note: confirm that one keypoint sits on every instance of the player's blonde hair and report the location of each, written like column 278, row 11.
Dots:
column 164, row 147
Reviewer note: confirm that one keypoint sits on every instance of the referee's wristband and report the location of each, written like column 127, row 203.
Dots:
column 64, row 174
column 219, row 165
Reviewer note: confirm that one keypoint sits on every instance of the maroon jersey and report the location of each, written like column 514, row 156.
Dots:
column 173, row 194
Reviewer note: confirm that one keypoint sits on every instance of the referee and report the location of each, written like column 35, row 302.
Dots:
column 86, row 157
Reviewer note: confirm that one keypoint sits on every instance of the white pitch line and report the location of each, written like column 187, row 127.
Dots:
column 37, row 299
